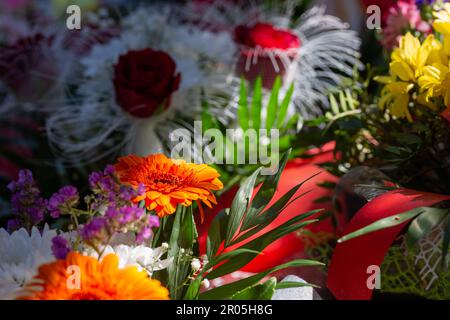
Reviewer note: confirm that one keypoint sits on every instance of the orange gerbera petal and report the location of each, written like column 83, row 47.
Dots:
column 80, row 277
column 168, row 182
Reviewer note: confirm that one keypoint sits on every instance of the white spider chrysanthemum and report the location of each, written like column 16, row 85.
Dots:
column 96, row 125
column 21, row 254
column 328, row 53
column 149, row 259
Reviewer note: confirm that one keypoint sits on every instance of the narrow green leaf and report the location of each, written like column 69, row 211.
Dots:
column 239, row 206
column 384, row 224
column 334, row 105
column 285, row 106
column 258, row 245
column 265, row 193
column 272, row 107
column 226, row 291
column 216, row 233
column 193, row 290
column 183, row 236
column 257, row 104
column 350, row 99
column 343, row 101
column 263, row 291
column 243, row 106
column 229, row 255
column 293, row 284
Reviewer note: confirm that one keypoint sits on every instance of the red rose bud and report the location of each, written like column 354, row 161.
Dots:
column 144, row 80
column 261, row 53
column 28, row 67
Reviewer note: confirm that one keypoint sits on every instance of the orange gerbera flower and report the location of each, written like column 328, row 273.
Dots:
column 169, row 182
column 97, row 281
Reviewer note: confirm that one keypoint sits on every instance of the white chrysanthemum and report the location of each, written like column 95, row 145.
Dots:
column 149, row 259
column 21, row 254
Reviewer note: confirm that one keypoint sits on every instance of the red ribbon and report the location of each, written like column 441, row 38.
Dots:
column 347, row 273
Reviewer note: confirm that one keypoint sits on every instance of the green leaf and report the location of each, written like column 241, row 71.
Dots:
column 384, row 223
column 257, row 104
column 350, row 99
column 423, row 224
column 228, row 255
column 334, row 105
column 272, row 107
column 258, row 245
column 216, row 233
column 285, row 106
column 183, row 236
column 239, row 206
column 257, row 292
column 193, row 290
column 227, row 290
column 343, row 101
column 243, row 106
column 264, row 194
column 293, row 284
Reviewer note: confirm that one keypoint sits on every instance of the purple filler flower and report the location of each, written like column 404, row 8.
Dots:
column 28, row 207
column 95, row 230
column 66, row 197
column 60, row 247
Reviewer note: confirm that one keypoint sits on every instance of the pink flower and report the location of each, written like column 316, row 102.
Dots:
column 403, row 16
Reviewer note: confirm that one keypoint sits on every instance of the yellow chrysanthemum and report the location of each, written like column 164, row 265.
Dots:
column 409, row 59
column 97, row 281
column 436, row 82
column 169, row 182
column 442, row 25
column 395, row 96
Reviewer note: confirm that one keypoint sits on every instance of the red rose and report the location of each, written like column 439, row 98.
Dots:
column 28, row 68
column 266, row 36
column 268, row 65
column 144, row 80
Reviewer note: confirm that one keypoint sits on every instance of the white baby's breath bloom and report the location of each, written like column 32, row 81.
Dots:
column 206, row 284
column 21, row 254
column 195, row 264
